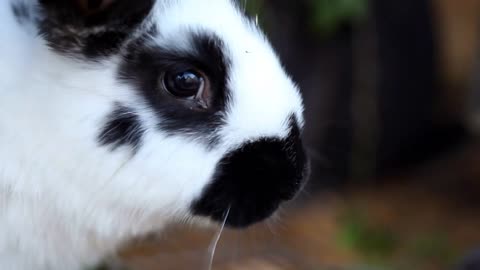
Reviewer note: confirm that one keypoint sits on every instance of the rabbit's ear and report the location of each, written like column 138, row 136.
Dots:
column 90, row 28
column 96, row 12
column 89, row 7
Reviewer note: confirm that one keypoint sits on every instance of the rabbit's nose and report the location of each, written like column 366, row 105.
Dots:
column 253, row 180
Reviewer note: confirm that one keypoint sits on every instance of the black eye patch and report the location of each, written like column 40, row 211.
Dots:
column 143, row 66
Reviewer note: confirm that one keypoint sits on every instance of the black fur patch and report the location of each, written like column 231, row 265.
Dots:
column 143, row 68
column 253, row 180
column 70, row 31
column 21, row 12
column 123, row 128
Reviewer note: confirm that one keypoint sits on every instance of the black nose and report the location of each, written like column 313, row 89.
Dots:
column 252, row 181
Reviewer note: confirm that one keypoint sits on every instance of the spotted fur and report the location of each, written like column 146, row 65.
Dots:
column 94, row 152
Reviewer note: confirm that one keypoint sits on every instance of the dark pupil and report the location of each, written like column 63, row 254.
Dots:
column 185, row 84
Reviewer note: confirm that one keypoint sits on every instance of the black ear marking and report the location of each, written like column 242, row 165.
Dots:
column 94, row 4
column 90, row 28
column 96, row 12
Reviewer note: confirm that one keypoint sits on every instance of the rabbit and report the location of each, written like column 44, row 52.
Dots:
column 120, row 117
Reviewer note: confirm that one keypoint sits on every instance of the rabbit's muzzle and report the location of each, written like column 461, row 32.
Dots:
column 252, row 181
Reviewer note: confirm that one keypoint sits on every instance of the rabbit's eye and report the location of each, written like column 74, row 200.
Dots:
column 184, row 84
column 190, row 85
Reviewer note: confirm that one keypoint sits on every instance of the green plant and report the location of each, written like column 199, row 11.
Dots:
column 329, row 15
column 253, row 7
column 372, row 242
column 433, row 247
column 326, row 16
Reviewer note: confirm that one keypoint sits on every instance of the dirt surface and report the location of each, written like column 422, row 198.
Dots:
column 413, row 225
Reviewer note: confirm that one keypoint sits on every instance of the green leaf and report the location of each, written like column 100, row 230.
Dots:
column 329, row 15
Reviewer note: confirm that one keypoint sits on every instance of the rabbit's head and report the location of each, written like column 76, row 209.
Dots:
column 161, row 110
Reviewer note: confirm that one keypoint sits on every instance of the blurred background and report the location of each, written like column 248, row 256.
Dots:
column 392, row 93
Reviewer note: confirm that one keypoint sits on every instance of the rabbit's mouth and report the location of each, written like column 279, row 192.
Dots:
column 252, row 181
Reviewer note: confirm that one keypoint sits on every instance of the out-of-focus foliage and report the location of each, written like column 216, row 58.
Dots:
column 329, row 15
column 433, row 247
column 326, row 16
column 253, row 7
column 372, row 242
column 381, row 246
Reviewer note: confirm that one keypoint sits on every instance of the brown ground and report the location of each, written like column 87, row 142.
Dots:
column 413, row 226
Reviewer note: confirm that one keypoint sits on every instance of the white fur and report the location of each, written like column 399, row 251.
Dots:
column 65, row 201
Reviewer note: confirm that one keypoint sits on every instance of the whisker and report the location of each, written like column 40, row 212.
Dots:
column 269, row 224
column 213, row 246
column 316, row 155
